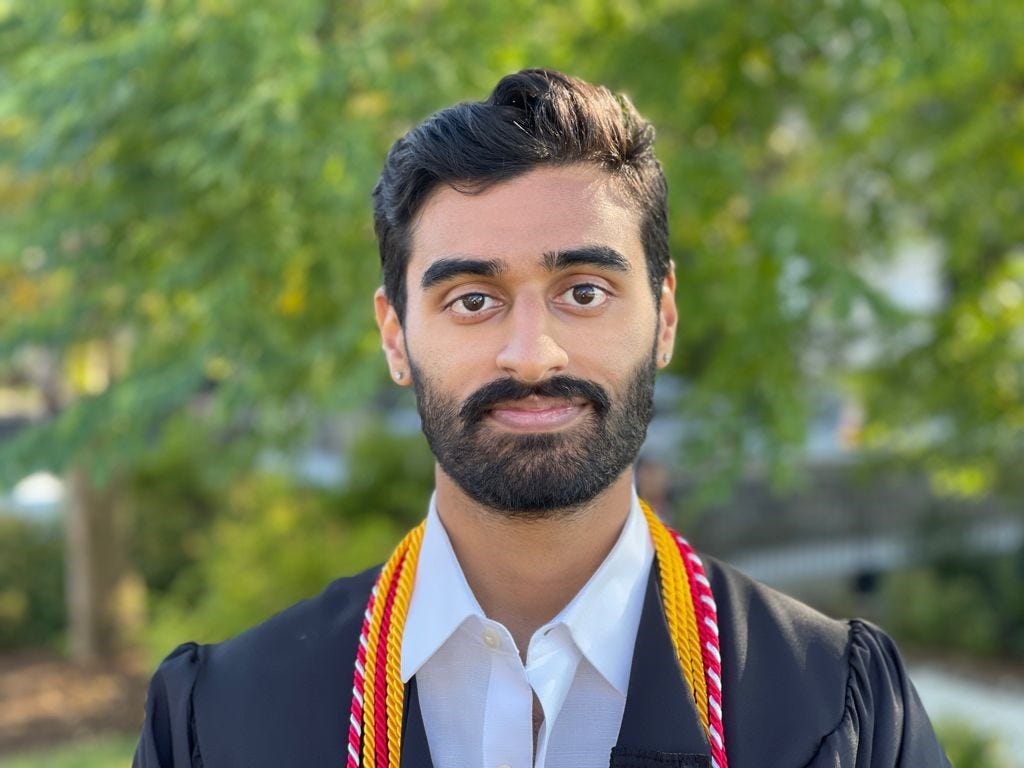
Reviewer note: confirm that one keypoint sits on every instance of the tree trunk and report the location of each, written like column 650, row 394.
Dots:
column 99, row 582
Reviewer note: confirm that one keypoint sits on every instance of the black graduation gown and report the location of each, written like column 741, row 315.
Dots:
column 801, row 691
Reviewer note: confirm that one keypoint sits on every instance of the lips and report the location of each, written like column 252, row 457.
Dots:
column 508, row 396
column 537, row 413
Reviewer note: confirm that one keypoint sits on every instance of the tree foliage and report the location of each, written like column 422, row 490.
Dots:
column 32, row 575
column 274, row 541
column 945, row 155
column 186, row 227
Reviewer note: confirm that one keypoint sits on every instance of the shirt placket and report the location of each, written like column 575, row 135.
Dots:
column 508, row 709
column 550, row 670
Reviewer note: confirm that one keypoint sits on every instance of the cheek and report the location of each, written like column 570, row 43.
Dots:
column 444, row 345
column 642, row 331
column 452, row 366
column 433, row 346
column 620, row 339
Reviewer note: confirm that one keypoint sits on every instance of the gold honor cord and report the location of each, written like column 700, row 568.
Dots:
column 679, row 611
column 399, row 611
column 403, row 564
column 375, row 732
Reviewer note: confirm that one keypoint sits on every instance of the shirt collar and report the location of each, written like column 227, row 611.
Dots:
column 602, row 618
column 441, row 598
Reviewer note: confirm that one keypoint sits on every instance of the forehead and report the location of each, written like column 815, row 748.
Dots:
column 545, row 210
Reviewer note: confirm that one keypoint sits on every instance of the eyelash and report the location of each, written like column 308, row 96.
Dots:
column 603, row 293
column 451, row 304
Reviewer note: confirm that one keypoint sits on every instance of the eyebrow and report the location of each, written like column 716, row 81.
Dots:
column 588, row 255
column 457, row 266
column 450, row 267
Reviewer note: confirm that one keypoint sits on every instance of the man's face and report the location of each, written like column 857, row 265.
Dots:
column 532, row 337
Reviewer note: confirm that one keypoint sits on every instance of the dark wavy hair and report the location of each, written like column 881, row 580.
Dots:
column 533, row 118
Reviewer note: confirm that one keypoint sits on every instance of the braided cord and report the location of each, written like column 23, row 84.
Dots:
column 679, row 610
column 371, row 681
column 399, row 611
column 378, row 695
column 355, row 727
column 707, row 613
column 380, row 704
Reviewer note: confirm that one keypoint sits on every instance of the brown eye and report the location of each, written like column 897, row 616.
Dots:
column 584, row 294
column 471, row 304
column 474, row 302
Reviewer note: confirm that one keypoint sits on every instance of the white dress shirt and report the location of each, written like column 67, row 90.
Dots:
column 475, row 693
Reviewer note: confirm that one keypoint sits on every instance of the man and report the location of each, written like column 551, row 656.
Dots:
column 541, row 615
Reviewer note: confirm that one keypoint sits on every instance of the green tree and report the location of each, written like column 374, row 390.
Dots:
column 807, row 144
column 936, row 154
column 185, row 230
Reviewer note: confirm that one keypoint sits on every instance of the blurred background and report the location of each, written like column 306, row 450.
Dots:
column 196, row 427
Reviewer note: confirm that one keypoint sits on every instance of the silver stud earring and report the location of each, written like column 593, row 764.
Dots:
column 399, row 375
column 665, row 357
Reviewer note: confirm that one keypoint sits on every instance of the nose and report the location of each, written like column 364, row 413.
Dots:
column 531, row 354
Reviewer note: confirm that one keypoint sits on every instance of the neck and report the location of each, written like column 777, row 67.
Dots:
column 524, row 571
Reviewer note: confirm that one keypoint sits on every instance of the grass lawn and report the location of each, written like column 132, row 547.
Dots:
column 102, row 752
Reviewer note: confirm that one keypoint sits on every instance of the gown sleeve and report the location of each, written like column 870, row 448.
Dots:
column 883, row 724
column 168, row 732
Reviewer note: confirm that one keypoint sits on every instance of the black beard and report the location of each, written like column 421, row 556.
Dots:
column 536, row 476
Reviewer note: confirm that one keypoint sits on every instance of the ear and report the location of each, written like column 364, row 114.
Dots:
column 667, row 317
column 392, row 339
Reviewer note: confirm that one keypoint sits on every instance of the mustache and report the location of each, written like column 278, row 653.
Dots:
column 484, row 399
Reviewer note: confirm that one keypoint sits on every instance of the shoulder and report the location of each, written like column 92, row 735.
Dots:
column 772, row 634
column 288, row 659
column 324, row 619
column 811, row 690
column 297, row 635
column 283, row 684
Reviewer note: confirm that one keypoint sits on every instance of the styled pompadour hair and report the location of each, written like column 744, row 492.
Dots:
column 534, row 118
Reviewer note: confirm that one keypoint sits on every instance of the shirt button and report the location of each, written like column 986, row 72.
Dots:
column 493, row 641
column 504, row 765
